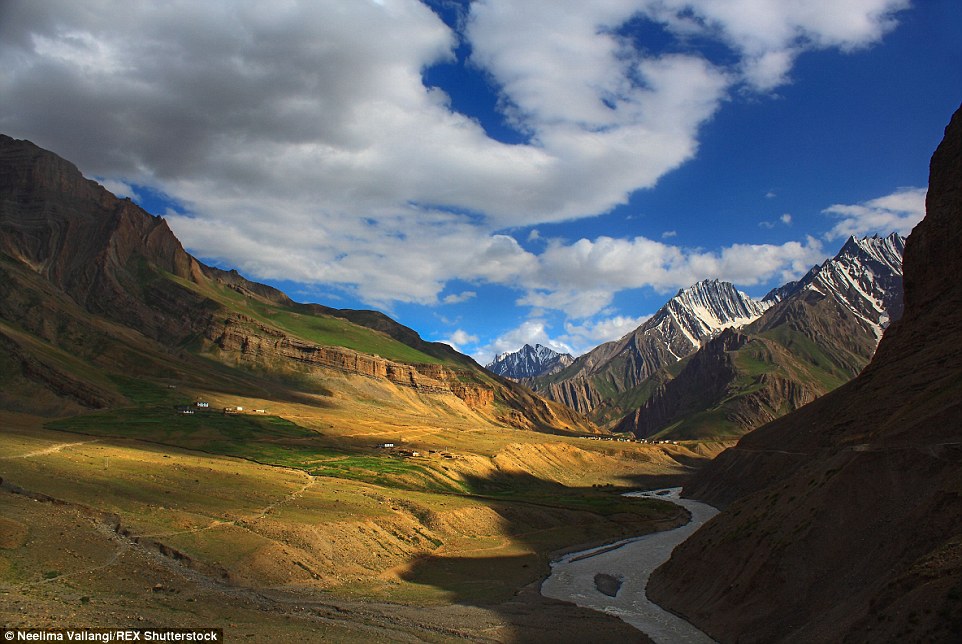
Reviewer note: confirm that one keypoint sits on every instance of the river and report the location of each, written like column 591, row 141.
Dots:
column 612, row 578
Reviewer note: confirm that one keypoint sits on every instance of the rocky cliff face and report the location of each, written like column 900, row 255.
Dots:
column 253, row 343
column 865, row 275
column 705, row 399
column 94, row 247
column 843, row 520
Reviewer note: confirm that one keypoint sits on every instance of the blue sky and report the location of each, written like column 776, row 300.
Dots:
column 497, row 172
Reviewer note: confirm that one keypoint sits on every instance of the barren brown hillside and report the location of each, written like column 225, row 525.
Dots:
column 843, row 520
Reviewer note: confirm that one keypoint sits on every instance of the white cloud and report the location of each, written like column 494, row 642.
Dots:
column 578, row 303
column 459, row 339
column 897, row 212
column 668, row 234
column 595, row 332
column 770, row 34
column 785, row 218
column 120, row 188
column 307, row 147
column 748, row 264
column 457, row 298
column 581, row 278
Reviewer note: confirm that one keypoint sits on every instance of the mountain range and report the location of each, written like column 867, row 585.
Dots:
column 529, row 362
column 841, row 518
column 179, row 434
column 842, row 521
column 615, row 376
column 96, row 291
column 715, row 363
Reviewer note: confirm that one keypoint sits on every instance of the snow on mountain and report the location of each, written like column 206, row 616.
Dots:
column 704, row 309
column 528, row 362
column 693, row 316
column 865, row 275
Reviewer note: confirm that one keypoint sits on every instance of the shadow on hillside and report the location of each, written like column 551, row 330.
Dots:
column 658, row 481
column 244, row 380
column 542, row 521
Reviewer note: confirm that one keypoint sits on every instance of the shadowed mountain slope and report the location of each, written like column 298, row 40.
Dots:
column 843, row 520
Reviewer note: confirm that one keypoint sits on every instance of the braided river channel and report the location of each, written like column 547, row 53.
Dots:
column 612, row 578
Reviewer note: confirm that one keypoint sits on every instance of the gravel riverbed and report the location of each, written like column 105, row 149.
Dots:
column 588, row 578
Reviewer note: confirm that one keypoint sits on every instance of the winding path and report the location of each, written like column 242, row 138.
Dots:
column 49, row 450
column 573, row 578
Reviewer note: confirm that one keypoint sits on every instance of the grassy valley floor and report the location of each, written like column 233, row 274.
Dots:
column 293, row 522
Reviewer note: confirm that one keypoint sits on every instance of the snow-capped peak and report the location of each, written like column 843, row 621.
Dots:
column 705, row 308
column 866, row 275
column 528, row 362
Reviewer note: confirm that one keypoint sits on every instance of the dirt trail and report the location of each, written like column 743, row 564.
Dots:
column 240, row 523
column 49, row 450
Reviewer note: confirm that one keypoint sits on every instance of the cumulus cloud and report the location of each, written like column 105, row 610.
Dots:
column 459, row 339
column 581, row 278
column 897, row 212
column 575, row 339
column 595, row 332
column 457, row 298
column 307, row 147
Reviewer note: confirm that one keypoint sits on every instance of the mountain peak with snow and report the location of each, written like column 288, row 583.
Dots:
column 529, row 362
column 701, row 311
column 865, row 275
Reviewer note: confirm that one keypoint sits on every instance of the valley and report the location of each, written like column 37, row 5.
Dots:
column 439, row 321
column 127, row 528
column 182, row 446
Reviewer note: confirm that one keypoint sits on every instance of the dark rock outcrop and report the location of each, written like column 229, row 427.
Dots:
column 843, row 521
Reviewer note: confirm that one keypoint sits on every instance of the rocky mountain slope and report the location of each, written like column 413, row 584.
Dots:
column 609, row 380
column 821, row 333
column 866, row 275
column 843, row 520
column 94, row 290
column 529, row 362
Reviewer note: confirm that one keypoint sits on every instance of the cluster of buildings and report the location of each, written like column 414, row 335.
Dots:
column 202, row 405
